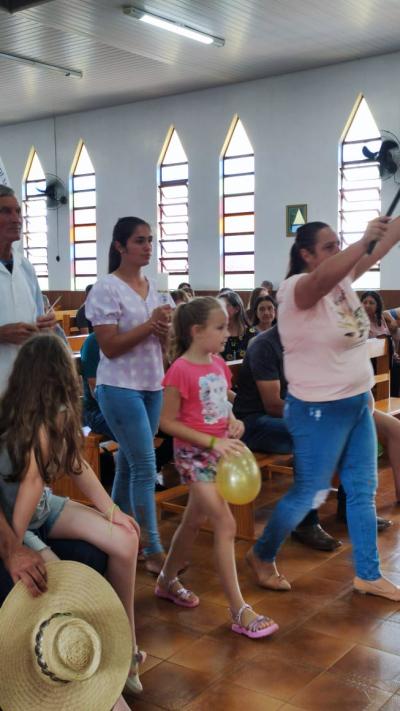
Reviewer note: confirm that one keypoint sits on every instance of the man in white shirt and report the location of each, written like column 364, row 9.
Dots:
column 21, row 311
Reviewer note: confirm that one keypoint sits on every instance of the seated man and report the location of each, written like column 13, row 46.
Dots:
column 259, row 403
column 18, row 562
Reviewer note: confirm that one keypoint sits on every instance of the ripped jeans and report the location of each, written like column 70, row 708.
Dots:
column 330, row 436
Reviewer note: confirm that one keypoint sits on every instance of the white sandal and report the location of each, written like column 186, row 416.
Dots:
column 133, row 685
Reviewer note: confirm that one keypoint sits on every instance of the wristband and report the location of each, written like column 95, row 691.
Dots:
column 212, row 443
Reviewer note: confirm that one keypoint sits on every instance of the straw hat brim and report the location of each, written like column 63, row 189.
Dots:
column 78, row 589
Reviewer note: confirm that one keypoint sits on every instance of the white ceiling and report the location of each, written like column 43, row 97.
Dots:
column 124, row 60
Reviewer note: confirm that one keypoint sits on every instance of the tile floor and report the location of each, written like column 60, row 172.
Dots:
column 335, row 651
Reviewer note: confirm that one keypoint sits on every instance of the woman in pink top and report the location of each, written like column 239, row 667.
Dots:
column 324, row 331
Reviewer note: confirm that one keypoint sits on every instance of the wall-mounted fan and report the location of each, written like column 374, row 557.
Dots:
column 55, row 192
column 388, row 159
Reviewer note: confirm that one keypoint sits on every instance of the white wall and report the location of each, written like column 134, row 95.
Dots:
column 294, row 123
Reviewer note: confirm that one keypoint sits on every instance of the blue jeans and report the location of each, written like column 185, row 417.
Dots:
column 264, row 433
column 328, row 437
column 133, row 416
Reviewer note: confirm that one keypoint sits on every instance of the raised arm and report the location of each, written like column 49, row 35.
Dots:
column 319, row 282
column 389, row 239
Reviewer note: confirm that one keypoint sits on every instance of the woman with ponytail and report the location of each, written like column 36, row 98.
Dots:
column 132, row 327
column 324, row 331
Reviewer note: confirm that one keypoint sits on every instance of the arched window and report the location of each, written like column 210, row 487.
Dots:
column 83, row 222
column 173, row 218
column 360, row 184
column 237, row 173
column 34, row 211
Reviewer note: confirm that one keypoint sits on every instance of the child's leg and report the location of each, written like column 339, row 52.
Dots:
column 184, row 537
column 204, row 502
column 121, row 546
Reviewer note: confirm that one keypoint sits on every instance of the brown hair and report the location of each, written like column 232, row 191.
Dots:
column 43, row 384
column 195, row 313
column 306, row 238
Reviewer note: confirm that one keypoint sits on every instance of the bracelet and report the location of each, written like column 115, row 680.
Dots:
column 212, row 442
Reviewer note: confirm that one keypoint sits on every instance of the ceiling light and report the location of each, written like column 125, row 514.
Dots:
column 37, row 63
column 177, row 27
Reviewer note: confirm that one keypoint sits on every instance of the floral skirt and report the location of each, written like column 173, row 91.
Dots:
column 196, row 463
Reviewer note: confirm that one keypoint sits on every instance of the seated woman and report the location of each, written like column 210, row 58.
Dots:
column 258, row 291
column 381, row 322
column 264, row 313
column 238, row 327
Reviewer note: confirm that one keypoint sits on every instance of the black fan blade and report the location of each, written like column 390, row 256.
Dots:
column 368, row 154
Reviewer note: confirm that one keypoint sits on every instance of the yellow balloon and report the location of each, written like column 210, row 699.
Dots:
column 238, row 477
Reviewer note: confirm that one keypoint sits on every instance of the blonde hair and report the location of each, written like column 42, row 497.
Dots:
column 195, row 313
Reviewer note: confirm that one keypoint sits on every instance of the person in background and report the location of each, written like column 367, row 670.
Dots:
column 258, row 291
column 268, row 285
column 264, row 313
column 180, row 296
column 381, row 323
column 21, row 312
column 239, row 333
column 186, row 287
column 132, row 329
column 324, row 331
column 81, row 321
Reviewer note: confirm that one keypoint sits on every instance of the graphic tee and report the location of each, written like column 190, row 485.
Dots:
column 203, row 390
column 325, row 347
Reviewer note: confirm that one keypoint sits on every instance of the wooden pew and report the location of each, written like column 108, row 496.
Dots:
column 76, row 342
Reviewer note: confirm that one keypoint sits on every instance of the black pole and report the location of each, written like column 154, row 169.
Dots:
column 389, row 213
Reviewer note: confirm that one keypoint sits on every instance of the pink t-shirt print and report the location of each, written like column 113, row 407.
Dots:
column 203, row 391
column 325, row 347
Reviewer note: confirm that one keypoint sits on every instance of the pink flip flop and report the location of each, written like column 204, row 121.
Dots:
column 253, row 629
column 181, row 596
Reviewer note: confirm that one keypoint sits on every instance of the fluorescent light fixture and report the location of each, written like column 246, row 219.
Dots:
column 37, row 63
column 177, row 27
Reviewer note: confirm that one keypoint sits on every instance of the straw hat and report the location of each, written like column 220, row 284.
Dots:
column 70, row 648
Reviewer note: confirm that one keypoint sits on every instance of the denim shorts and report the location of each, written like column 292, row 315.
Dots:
column 36, row 537
column 196, row 463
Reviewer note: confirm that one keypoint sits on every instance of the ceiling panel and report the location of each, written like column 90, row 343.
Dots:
column 124, row 60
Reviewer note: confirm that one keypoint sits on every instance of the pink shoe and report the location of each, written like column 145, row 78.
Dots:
column 253, row 629
column 180, row 596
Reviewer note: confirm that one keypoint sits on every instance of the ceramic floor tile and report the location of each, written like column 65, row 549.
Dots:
column 225, row 696
column 209, row 654
column 172, row 687
column 370, row 666
column 309, row 646
column 330, row 693
column 275, row 677
column 163, row 640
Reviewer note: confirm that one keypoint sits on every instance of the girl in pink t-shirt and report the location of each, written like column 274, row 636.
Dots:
column 196, row 413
